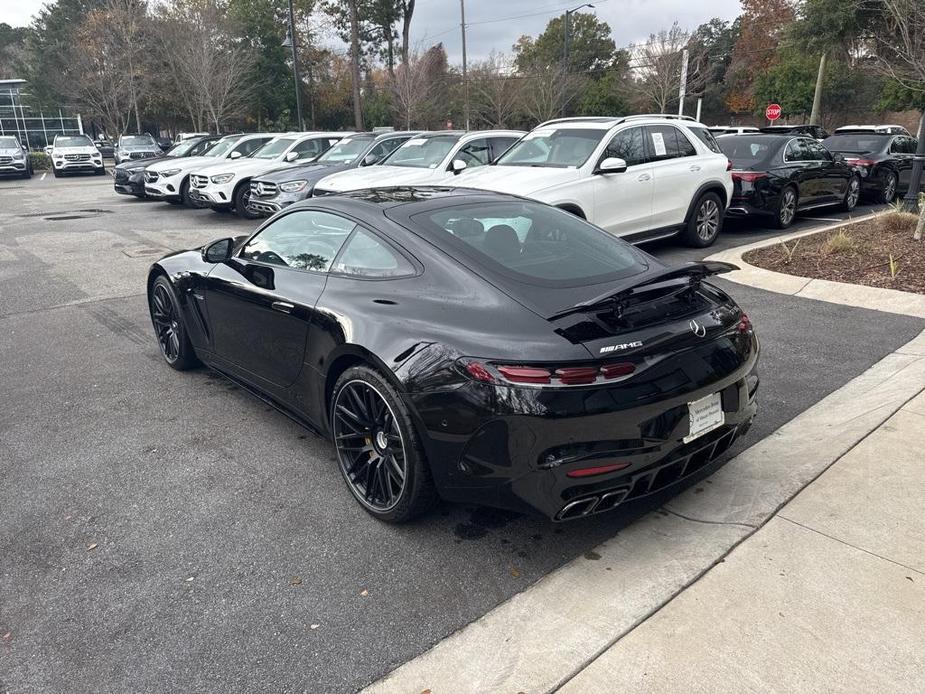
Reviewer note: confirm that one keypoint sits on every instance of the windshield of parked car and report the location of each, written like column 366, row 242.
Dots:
column 346, row 150
column 136, row 140
column 222, row 147
column 8, row 143
column 182, row 148
column 73, row 141
column 746, row 152
column 859, row 144
column 532, row 243
column 273, row 148
column 554, row 147
column 423, row 152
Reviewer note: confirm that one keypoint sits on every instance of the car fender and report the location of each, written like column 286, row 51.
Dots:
column 714, row 185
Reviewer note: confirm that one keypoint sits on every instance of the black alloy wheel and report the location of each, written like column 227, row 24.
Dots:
column 705, row 222
column 888, row 194
column 377, row 449
column 242, row 196
column 168, row 326
column 184, row 193
column 786, row 208
column 852, row 194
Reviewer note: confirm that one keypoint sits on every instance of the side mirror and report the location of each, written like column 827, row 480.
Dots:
column 218, row 251
column 234, row 155
column 611, row 165
column 370, row 159
column 458, row 166
column 292, row 156
column 839, row 158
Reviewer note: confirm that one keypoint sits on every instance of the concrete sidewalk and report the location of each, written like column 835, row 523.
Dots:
column 828, row 596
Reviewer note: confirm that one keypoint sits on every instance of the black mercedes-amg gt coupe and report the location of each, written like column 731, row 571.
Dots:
column 475, row 346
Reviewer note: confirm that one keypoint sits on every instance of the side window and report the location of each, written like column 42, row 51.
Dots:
column 301, row 240
column 251, row 145
column 912, row 145
column 309, row 149
column 667, row 142
column 628, row 145
column 499, row 145
column 707, row 137
column 474, row 153
column 819, row 152
column 386, row 147
column 200, row 147
column 898, row 145
column 796, row 151
column 367, row 256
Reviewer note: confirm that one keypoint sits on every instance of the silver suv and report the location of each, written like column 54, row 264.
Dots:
column 135, row 147
column 14, row 158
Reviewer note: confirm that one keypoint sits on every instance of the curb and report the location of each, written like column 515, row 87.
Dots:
column 857, row 295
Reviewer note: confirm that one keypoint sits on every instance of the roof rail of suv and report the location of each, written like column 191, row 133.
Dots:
column 615, row 119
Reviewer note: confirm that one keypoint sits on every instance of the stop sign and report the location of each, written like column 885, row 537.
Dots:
column 772, row 112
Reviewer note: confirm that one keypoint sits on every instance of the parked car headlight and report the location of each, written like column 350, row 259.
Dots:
column 221, row 178
column 167, row 173
column 292, row 186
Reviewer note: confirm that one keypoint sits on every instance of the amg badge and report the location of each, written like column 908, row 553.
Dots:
column 619, row 348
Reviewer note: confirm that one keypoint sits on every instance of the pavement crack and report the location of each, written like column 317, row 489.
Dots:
column 853, row 546
column 71, row 304
column 708, row 522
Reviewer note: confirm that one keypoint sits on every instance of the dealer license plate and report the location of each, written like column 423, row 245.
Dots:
column 705, row 415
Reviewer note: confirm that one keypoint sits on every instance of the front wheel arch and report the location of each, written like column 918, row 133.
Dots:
column 571, row 208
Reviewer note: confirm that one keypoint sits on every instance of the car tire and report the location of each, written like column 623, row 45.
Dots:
column 26, row 174
column 169, row 328
column 852, row 195
column 100, row 172
column 786, row 208
column 241, row 195
column 378, row 449
column 705, row 223
column 185, row 196
column 888, row 192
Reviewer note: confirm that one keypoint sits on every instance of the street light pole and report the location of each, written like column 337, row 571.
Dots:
column 462, row 24
column 291, row 39
column 568, row 14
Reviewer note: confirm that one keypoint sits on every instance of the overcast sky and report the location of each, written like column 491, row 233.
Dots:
column 496, row 24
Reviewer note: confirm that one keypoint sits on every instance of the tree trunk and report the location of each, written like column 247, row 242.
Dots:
column 355, row 63
column 391, row 54
column 920, row 227
column 407, row 12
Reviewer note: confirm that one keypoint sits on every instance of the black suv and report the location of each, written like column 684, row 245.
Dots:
column 883, row 161
column 129, row 178
column 816, row 131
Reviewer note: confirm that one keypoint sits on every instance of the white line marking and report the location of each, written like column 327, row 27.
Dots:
column 43, row 176
column 825, row 219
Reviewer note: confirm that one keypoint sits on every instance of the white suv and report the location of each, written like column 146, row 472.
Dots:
column 639, row 177
column 428, row 159
column 227, row 184
column 75, row 153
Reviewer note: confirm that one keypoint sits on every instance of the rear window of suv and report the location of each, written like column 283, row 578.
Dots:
column 532, row 243
column 706, row 137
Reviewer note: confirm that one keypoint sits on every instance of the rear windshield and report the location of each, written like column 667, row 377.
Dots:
column 859, row 144
column 747, row 152
column 706, row 137
column 532, row 243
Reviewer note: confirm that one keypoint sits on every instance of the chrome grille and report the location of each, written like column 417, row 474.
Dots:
column 264, row 189
column 197, row 181
column 140, row 155
column 151, row 176
column 77, row 157
column 6, row 160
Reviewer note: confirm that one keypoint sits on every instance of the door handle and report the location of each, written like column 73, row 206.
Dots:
column 643, row 177
column 282, row 306
column 695, row 167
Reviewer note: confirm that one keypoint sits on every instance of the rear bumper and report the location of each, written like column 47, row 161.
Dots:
column 514, row 447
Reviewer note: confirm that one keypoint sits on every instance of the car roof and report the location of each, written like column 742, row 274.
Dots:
column 607, row 122
column 394, row 196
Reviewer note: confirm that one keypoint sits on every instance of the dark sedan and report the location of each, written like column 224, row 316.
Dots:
column 883, row 161
column 277, row 189
column 129, row 177
column 475, row 346
column 778, row 176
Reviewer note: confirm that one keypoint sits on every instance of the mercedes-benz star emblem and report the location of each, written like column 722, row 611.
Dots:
column 697, row 329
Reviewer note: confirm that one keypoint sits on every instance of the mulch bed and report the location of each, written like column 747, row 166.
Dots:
column 859, row 255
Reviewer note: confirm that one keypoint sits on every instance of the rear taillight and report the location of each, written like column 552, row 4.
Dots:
column 866, row 163
column 748, row 176
column 547, row 375
column 599, row 470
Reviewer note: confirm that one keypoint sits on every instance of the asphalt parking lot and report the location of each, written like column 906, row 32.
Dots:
column 162, row 531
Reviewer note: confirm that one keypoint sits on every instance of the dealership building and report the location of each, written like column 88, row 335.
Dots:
column 35, row 129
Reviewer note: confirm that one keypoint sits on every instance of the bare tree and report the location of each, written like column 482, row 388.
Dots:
column 900, row 54
column 414, row 87
column 495, row 92
column 208, row 64
column 546, row 91
column 128, row 20
column 657, row 64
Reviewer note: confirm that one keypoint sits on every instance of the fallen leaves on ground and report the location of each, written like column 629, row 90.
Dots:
column 515, row 572
column 91, row 547
column 364, row 592
column 295, row 581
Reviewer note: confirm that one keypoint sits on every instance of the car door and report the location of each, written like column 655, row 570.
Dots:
column 804, row 171
column 901, row 150
column 260, row 302
column 834, row 175
column 623, row 201
column 676, row 172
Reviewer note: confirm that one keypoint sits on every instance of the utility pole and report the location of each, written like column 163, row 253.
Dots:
column 682, row 90
column 355, row 63
column 568, row 13
column 699, row 104
column 911, row 199
column 462, row 25
column 291, row 40
column 817, row 97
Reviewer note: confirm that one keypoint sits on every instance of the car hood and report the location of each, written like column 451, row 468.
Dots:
column 382, row 176
column 185, row 163
column 10, row 151
column 309, row 172
column 76, row 150
column 142, row 163
column 138, row 148
column 242, row 167
column 517, row 180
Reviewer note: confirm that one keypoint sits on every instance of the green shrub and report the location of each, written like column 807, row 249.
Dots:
column 41, row 161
